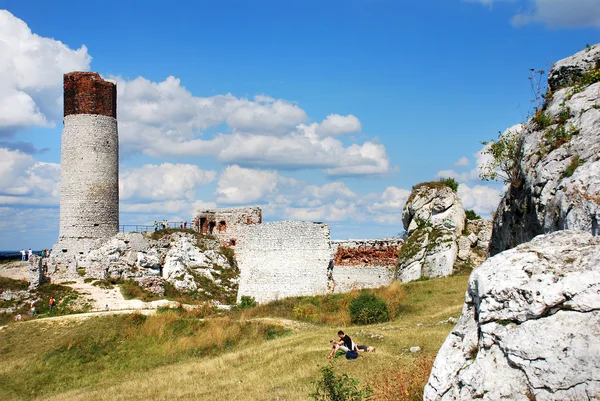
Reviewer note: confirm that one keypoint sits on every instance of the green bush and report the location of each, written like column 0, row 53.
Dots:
column 471, row 215
column 368, row 309
column 247, row 302
column 339, row 388
column 451, row 183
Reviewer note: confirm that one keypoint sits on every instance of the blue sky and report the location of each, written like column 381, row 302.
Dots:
column 314, row 110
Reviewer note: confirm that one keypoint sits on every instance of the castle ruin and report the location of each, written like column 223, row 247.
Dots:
column 292, row 258
column 275, row 260
column 89, row 190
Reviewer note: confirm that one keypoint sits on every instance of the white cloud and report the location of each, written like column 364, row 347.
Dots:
column 163, row 182
column 162, row 207
column 554, row 13
column 23, row 180
column 333, row 190
column 275, row 117
column 164, row 119
column 482, row 199
column 326, row 213
column 335, row 125
column 561, row 13
column 239, row 185
column 31, row 68
column 462, row 162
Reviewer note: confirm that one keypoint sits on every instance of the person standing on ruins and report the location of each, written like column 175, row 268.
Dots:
column 22, row 255
column 29, row 253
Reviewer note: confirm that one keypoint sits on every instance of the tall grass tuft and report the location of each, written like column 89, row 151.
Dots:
column 403, row 382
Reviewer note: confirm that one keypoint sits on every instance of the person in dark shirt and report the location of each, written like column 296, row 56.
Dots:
column 345, row 344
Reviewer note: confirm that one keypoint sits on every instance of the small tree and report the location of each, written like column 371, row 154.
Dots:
column 504, row 159
column 471, row 215
column 338, row 388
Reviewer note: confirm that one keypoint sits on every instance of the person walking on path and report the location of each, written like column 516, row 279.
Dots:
column 22, row 255
column 51, row 304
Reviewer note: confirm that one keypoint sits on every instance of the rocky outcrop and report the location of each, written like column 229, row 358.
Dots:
column 190, row 263
column 433, row 218
column 530, row 326
column 558, row 180
column 474, row 241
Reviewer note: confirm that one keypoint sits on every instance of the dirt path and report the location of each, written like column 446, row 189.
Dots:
column 15, row 270
column 99, row 298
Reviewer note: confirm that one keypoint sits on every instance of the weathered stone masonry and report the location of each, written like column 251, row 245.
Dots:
column 283, row 259
column 89, row 199
column 366, row 263
column 226, row 223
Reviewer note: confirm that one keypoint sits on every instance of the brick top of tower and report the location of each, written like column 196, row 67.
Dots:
column 88, row 93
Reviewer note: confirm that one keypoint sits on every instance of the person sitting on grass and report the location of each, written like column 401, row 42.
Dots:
column 345, row 344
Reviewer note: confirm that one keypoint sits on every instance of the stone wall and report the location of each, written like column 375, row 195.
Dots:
column 365, row 263
column 225, row 223
column 283, row 259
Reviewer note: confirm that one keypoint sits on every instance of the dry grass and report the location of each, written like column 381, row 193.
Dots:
column 403, row 382
column 171, row 357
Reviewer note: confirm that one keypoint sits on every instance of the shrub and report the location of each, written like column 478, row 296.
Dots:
column 541, row 119
column 339, row 388
column 575, row 162
column 368, row 309
column 505, row 154
column 247, row 302
column 471, row 215
column 451, row 183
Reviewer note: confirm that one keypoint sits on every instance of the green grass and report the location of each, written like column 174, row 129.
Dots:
column 572, row 166
column 67, row 300
column 12, row 284
column 333, row 309
column 241, row 355
column 54, row 358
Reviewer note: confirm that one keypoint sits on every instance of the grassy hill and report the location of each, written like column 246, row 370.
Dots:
column 272, row 352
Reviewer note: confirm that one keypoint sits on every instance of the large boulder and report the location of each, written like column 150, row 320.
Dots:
column 558, row 181
column 433, row 218
column 530, row 326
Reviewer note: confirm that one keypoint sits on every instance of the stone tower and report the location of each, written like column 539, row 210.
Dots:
column 89, row 193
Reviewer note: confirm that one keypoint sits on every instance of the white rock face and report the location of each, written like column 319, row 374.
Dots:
column 560, row 179
column 433, row 218
column 530, row 326
column 176, row 259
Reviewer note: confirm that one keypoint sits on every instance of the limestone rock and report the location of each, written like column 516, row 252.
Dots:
column 433, row 218
column 530, row 326
column 177, row 258
column 464, row 248
column 559, row 171
column 567, row 71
